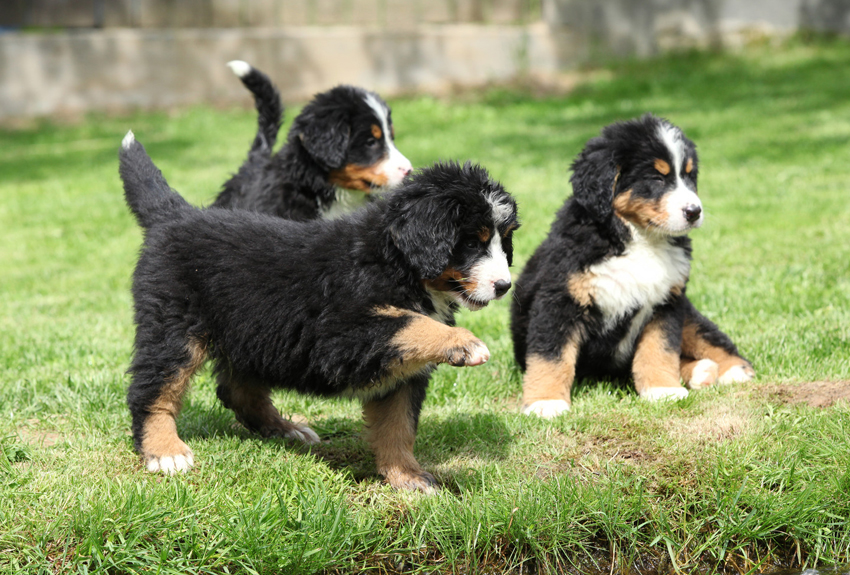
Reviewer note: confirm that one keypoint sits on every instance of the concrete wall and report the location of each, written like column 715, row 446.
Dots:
column 120, row 68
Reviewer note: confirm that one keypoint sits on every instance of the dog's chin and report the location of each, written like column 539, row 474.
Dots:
column 469, row 303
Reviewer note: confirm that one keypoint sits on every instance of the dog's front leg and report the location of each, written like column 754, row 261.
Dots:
column 391, row 423
column 656, row 362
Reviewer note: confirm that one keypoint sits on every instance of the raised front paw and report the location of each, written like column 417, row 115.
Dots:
column 468, row 352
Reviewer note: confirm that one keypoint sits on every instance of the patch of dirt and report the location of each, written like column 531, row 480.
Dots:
column 812, row 393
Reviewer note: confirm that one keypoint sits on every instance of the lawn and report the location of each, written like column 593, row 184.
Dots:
column 733, row 479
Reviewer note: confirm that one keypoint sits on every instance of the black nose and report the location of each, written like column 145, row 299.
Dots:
column 501, row 287
column 692, row 213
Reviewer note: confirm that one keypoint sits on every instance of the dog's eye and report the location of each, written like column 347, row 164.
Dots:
column 473, row 243
column 372, row 143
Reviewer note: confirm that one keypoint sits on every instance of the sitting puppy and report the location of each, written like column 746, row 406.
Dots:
column 604, row 294
column 342, row 140
column 360, row 306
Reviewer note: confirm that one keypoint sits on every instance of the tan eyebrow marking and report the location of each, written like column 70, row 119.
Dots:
column 509, row 229
column 689, row 166
column 662, row 166
column 376, row 131
column 484, row 235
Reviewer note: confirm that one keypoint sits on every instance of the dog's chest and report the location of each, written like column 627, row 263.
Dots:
column 346, row 201
column 639, row 279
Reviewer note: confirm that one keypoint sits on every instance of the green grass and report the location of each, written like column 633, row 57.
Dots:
column 731, row 479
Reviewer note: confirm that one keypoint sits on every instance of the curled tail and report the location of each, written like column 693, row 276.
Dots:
column 149, row 196
column 267, row 101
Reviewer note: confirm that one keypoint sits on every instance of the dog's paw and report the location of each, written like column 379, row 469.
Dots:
column 410, row 481
column 472, row 353
column 737, row 374
column 664, row 393
column 179, row 461
column 704, row 374
column 302, row 433
column 547, row 408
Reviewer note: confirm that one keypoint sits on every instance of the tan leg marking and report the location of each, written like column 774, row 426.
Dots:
column 254, row 409
column 656, row 367
column 694, row 346
column 582, row 288
column 162, row 449
column 362, row 178
column 639, row 211
column 425, row 341
column 391, row 432
column 547, row 383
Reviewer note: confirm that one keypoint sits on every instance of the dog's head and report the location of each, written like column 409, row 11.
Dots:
column 454, row 227
column 349, row 132
column 645, row 172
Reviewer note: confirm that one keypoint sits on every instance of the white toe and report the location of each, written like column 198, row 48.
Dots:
column 664, row 393
column 704, row 374
column 182, row 463
column 304, row 434
column 737, row 374
column 479, row 355
column 153, row 465
column 547, row 408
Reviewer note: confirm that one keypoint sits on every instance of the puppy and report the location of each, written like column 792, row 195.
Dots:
column 342, row 140
column 360, row 306
column 604, row 294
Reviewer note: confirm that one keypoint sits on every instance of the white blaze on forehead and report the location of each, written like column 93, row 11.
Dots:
column 395, row 165
column 681, row 196
column 503, row 211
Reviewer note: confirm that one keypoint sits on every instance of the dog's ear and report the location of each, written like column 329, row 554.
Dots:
column 425, row 230
column 594, row 178
column 324, row 132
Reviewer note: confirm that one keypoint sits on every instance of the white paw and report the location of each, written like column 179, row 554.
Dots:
column 304, row 434
column 478, row 355
column 664, row 393
column 171, row 464
column 239, row 67
column 547, row 408
column 737, row 374
column 703, row 375
column 128, row 140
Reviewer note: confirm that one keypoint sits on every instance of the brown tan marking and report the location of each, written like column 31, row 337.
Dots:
column 662, row 167
column 391, row 432
column 424, row 341
column 547, row 379
column 509, row 229
column 655, row 364
column 581, row 287
column 639, row 211
column 376, row 132
column 696, row 347
column 362, row 178
column 254, row 409
column 443, row 281
column 159, row 433
column 484, row 235
column 689, row 166
column 677, row 290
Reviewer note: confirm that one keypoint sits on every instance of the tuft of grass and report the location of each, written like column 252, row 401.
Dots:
column 732, row 479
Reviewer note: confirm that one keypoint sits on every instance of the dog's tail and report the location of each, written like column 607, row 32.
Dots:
column 267, row 101
column 149, row 196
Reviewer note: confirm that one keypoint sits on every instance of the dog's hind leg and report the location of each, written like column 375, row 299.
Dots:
column 251, row 403
column 703, row 340
column 656, row 364
column 160, row 381
column 391, row 423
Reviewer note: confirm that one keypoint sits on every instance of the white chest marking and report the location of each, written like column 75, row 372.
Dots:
column 637, row 281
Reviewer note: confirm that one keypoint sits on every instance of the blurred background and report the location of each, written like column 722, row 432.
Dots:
column 73, row 56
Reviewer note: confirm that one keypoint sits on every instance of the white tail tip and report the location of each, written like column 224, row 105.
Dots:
column 128, row 140
column 239, row 67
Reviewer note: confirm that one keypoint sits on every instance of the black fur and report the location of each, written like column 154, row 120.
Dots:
column 333, row 130
column 588, row 231
column 283, row 304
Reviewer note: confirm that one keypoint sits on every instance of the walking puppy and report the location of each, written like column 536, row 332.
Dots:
column 604, row 294
column 343, row 140
column 360, row 306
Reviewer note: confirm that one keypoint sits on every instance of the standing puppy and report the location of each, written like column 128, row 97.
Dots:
column 340, row 148
column 604, row 294
column 362, row 306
